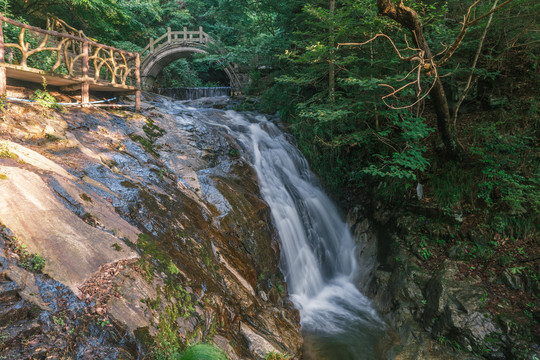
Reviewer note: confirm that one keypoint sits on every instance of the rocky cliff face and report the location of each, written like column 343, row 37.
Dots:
column 155, row 223
column 436, row 313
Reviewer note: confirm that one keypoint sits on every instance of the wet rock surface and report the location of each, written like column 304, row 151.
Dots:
column 169, row 199
column 42, row 318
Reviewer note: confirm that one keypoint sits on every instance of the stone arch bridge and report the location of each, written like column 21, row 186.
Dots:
column 174, row 45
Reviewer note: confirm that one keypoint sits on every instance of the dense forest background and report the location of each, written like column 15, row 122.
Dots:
column 359, row 92
column 364, row 114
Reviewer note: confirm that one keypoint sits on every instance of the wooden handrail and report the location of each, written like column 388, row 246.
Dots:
column 64, row 35
column 110, row 66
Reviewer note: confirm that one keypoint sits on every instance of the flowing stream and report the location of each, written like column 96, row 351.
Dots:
column 317, row 249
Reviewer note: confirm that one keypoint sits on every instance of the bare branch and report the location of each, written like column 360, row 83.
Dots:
column 461, row 34
column 398, row 90
column 420, row 98
column 475, row 61
column 418, row 57
column 465, row 28
column 490, row 12
column 373, row 39
column 410, row 72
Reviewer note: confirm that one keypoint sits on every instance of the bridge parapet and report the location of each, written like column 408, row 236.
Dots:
column 176, row 37
column 181, row 44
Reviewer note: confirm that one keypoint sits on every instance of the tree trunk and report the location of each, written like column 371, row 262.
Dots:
column 408, row 18
column 332, row 66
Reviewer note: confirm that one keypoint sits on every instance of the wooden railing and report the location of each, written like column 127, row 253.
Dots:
column 170, row 37
column 60, row 55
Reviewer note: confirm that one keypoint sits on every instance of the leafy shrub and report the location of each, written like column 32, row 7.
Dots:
column 27, row 260
column 44, row 98
column 273, row 355
column 4, row 151
column 3, row 103
column 203, row 352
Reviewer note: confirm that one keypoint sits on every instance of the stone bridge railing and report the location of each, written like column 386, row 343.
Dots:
column 170, row 37
column 29, row 53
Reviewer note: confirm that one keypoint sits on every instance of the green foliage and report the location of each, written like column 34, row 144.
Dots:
column 280, row 288
column 152, row 131
column 179, row 74
column 3, row 103
column 179, row 302
column 32, row 262
column 5, row 8
column 497, row 152
column 44, row 98
column 27, row 260
column 85, row 197
column 424, row 247
column 168, row 345
column 355, row 138
column 203, row 352
column 274, row 355
column 148, row 145
column 453, row 185
column 116, row 247
column 5, row 152
column 510, row 176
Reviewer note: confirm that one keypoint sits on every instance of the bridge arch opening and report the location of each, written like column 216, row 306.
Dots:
column 154, row 64
column 193, row 72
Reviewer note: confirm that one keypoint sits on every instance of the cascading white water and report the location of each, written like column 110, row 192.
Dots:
column 317, row 248
column 318, row 252
column 193, row 93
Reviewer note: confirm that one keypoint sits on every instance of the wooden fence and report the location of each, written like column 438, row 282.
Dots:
column 29, row 53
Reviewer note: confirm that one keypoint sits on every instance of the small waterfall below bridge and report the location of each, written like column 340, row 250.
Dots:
column 317, row 250
column 194, row 93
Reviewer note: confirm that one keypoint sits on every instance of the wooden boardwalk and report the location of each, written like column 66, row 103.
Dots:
column 67, row 59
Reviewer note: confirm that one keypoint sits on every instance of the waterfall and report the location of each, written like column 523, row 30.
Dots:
column 194, row 93
column 317, row 250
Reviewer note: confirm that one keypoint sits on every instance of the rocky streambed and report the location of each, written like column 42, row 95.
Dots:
column 155, row 229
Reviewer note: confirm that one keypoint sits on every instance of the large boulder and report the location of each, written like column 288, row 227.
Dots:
column 454, row 311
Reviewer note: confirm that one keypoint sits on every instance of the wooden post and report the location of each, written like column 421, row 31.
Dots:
column 3, row 83
column 138, row 80
column 185, row 33
column 151, row 45
column 201, row 34
column 169, row 35
column 85, row 87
